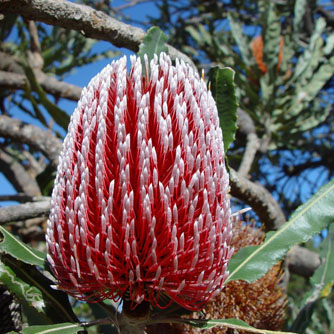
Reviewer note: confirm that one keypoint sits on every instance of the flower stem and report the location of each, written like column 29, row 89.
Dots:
column 134, row 318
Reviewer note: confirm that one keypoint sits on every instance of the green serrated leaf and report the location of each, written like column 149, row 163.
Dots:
column 299, row 12
column 252, row 262
column 271, row 35
column 19, row 250
column 235, row 324
column 65, row 328
column 223, row 91
column 20, row 288
column 240, row 39
column 307, row 57
column 153, row 43
column 53, row 303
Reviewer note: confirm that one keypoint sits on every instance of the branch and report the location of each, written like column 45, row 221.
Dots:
column 246, row 126
column 17, row 175
column 35, row 55
column 259, row 198
column 24, row 211
column 20, row 197
column 90, row 22
column 32, row 135
column 49, row 84
column 302, row 261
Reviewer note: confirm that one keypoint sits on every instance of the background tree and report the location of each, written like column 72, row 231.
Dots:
column 282, row 53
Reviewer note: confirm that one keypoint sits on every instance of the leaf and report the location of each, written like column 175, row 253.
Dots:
column 53, row 303
column 193, row 32
column 235, row 324
column 59, row 115
column 153, row 43
column 45, row 180
column 223, row 91
column 240, row 39
column 20, row 288
column 307, row 57
column 328, row 49
column 65, row 328
column 318, row 80
column 299, row 12
column 252, row 262
column 19, row 250
column 271, row 35
column 322, row 283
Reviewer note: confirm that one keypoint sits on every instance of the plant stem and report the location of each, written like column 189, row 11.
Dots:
column 134, row 318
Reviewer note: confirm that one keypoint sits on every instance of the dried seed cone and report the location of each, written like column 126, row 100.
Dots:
column 261, row 304
column 257, row 50
column 140, row 206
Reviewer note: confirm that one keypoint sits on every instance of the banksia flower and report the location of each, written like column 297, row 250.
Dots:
column 140, row 206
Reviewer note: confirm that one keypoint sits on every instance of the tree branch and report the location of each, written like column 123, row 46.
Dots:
column 22, row 198
column 24, row 211
column 259, row 198
column 32, row 135
column 90, row 22
column 49, row 84
column 246, row 126
column 302, row 261
column 17, row 175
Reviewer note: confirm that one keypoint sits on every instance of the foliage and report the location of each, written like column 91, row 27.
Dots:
column 290, row 103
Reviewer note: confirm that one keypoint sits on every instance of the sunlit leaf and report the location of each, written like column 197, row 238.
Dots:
column 21, row 289
column 53, row 303
column 154, row 42
column 13, row 246
column 252, row 262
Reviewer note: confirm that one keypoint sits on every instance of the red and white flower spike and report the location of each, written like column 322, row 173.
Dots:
column 140, row 206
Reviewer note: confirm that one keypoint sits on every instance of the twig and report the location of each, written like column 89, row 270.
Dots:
column 259, row 198
column 32, row 135
column 24, row 211
column 90, row 22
